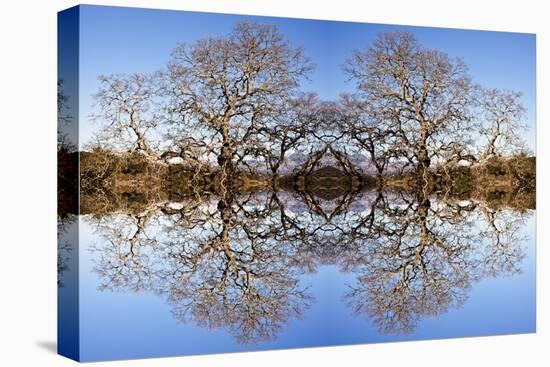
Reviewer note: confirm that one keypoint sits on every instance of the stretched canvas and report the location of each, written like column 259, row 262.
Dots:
column 235, row 183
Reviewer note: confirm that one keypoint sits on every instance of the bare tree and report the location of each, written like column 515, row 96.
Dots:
column 502, row 122
column 421, row 95
column 63, row 115
column 67, row 157
column 64, row 143
column 287, row 131
column 126, row 110
column 230, row 85
column 326, row 139
column 368, row 134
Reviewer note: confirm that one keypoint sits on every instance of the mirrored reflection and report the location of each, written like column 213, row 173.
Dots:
column 65, row 241
column 419, row 257
column 237, row 262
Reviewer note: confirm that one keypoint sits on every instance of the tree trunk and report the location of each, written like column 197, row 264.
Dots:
column 423, row 168
column 225, row 161
column 274, row 175
column 424, row 162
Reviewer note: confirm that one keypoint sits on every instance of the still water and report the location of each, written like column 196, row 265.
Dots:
column 282, row 270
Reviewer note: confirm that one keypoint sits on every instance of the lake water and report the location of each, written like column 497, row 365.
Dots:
column 280, row 270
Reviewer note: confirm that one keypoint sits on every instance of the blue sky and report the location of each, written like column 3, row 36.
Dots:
column 125, row 40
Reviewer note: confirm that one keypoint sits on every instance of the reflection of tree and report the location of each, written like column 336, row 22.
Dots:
column 64, row 248
column 502, row 255
column 125, row 263
column 237, row 276
column 218, row 265
column 234, row 262
column 418, row 258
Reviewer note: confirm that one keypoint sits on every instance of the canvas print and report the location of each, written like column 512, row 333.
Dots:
column 236, row 183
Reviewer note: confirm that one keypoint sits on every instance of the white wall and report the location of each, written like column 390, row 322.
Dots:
column 27, row 195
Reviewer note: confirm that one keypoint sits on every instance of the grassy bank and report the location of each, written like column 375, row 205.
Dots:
column 132, row 181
